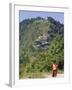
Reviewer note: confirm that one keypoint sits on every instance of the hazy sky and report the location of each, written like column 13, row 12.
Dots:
column 59, row 16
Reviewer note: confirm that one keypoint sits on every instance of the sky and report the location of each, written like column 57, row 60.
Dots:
column 59, row 16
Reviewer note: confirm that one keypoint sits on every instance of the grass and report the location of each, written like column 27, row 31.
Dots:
column 31, row 75
column 34, row 75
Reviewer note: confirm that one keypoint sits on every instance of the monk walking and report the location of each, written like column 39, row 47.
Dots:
column 55, row 70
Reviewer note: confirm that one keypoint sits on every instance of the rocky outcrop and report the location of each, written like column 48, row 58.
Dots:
column 41, row 42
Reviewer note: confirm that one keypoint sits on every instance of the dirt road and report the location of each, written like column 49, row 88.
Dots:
column 58, row 76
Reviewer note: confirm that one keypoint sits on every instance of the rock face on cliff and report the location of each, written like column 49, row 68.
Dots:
column 42, row 42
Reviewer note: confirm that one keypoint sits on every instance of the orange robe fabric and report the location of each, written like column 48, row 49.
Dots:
column 55, row 70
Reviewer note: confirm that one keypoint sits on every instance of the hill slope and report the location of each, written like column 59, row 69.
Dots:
column 41, row 43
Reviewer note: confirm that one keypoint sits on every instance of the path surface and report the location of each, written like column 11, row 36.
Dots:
column 58, row 76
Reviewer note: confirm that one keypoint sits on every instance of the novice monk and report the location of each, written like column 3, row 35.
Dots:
column 55, row 70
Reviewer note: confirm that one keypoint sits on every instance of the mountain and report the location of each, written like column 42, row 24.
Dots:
column 41, row 41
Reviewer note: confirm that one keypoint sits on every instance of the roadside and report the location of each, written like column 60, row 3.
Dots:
column 58, row 76
column 41, row 75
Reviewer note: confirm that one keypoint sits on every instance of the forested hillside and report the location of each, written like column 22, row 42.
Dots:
column 41, row 42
